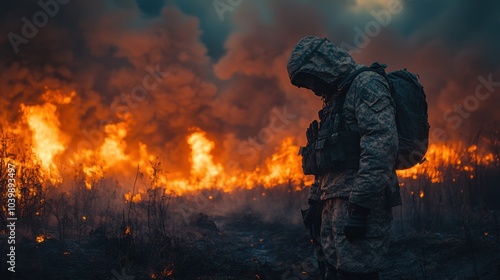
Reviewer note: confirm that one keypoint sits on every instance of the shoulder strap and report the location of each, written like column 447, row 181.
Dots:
column 347, row 81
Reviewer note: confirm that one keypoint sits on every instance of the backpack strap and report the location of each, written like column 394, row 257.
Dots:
column 351, row 139
column 349, row 79
column 344, row 87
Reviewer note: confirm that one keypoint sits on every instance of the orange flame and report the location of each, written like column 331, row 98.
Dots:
column 113, row 148
column 46, row 135
column 40, row 238
column 284, row 166
column 281, row 168
column 111, row 152
column 135, row 198
column 203, row 167
column 441, row 156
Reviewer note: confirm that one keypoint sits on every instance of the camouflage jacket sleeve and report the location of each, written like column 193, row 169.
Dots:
column 315, row 191
column 379, row 139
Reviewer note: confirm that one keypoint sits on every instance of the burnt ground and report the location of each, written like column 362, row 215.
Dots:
column 242, row 246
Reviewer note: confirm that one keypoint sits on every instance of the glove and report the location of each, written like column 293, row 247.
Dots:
column 312, row 213
column 357, row 223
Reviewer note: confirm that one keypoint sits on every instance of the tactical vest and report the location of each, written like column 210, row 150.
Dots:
column 330, row 146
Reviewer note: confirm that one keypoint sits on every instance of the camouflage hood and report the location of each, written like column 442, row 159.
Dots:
column 321, row 58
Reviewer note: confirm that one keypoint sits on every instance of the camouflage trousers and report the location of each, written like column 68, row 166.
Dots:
column 362, row 255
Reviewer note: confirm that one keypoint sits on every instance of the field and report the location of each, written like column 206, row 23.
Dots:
column 247, row 234
column 96, row 227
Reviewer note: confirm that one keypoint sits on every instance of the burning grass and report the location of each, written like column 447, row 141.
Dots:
column 93, row 223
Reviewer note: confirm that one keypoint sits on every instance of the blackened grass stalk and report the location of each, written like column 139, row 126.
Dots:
column 131, row 200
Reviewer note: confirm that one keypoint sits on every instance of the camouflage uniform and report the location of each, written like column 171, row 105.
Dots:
column 368, row 109
column 315, row 191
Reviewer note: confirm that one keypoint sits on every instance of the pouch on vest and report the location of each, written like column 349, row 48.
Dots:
column 309, row 166
column 336, row 149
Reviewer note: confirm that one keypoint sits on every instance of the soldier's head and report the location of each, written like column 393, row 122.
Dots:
column 319, row 65
column 315, row 84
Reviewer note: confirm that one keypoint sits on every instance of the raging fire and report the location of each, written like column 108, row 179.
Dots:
column 202, row 166
column 46, row 136
column 281, row 168
column 111, row 153
column 441, row 157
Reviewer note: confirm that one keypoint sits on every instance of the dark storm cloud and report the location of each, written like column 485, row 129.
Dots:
column 151, row 7
column 215, row 30
column 454, row 45
column 461, row 24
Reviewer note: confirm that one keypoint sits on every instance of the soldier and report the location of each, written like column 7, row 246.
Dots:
column 354, row 154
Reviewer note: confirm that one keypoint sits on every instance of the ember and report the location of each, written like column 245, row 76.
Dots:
column 40, row 239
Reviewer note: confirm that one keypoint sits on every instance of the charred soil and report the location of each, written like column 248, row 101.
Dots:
column 243, row 246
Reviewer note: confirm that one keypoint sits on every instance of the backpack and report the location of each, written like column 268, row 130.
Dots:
column 411, row 113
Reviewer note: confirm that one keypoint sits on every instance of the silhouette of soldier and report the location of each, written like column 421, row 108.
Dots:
column 352, row 151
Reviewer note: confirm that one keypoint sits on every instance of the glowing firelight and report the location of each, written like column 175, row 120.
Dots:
column 46, row 136
column 203, row 166
column 167, row 271
column 110, row 153
column 283, row 167
column 113, row 147
column 135, row 198
column 441, row 156
column 40, row 238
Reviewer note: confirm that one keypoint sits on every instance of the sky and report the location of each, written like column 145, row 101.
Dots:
column 220, row 66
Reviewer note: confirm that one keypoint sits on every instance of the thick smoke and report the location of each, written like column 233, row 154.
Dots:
column 106, row 50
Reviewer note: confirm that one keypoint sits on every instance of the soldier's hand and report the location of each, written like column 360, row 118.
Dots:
column 357, row 223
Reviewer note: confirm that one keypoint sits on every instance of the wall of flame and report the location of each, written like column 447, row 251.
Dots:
column 103, row 89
